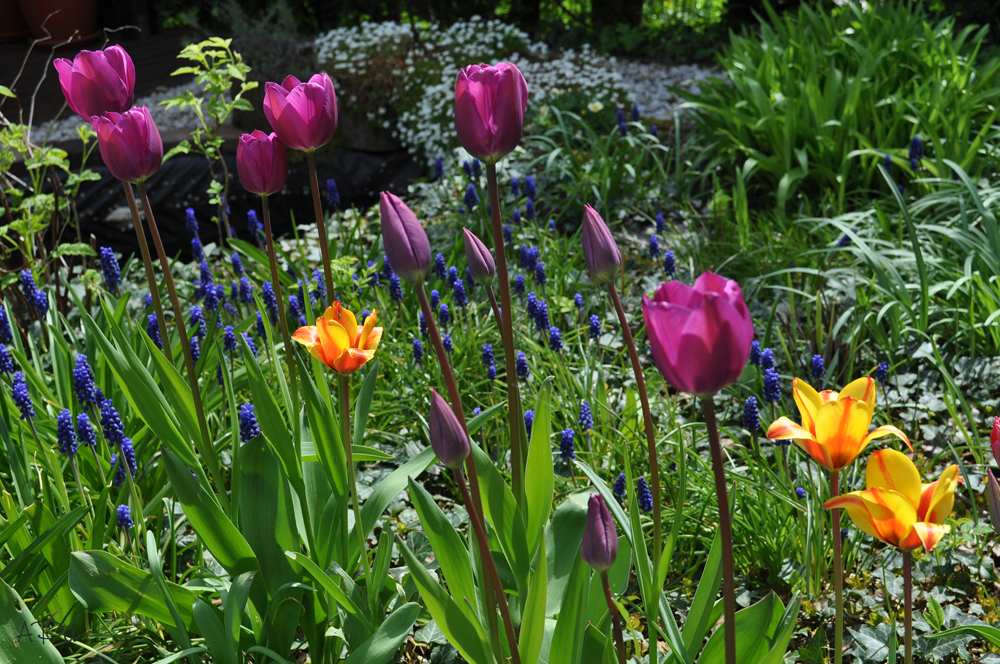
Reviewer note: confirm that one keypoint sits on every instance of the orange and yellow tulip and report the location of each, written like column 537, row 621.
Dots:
column 338, row 341
column 834, row 427
column 895, row 507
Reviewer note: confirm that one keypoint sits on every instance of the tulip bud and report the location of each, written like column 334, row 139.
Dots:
column 303, row 115
column 262, row 163
column 490, row 102
column 97, row 82
column 993, row 499
column 600, row 539
column 700, row 335
column 406, row 243
column 130, row 144
column 480, row 260
column 448, row 438
column 995, row 439
column 599, row 248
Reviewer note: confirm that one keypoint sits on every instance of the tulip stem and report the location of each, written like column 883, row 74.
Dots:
column 725, row 527
column 647, row 418
column 616, row 625
column 207, row 448
column 489, row 565
column 456, row 407
column 282, row 319
column 518, row 447
column 838, row 573
column 345, row 405
column 908, row 605
column 493, row 303
column 154, row 288
column 324, row 246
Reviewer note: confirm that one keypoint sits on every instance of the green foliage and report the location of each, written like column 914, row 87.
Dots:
column 817, row 100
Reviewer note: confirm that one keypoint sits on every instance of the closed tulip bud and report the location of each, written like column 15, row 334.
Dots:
column 448, row 438
column 490, row 102
column 599, row 547
column 130, row 144
column 97, row 82
column 995, row 439
column 480, row 260
column 700, row 335
column 993, row 499
column 599, row 248
column 406, row 243
column 262, row 163
column 303, row 115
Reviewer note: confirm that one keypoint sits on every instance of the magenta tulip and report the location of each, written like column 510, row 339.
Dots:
column 303, row 115
column 480, row 260
column 97, row 82
column 405, row 241
column 701, row 335
column 599, row 547
column 490, row 102
column 599, row 248
column 130, row 144
column 262, row 163
column 448, row 438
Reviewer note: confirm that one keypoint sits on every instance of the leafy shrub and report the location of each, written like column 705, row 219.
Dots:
column 816, row 100
column 402, row 77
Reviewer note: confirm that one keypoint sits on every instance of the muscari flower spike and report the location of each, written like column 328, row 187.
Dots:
column 21, row 396
column 817, row 369
column 519, row 286
column 395, row 288
column 444, row 314
column 153, row 330
column 461, row 299
column 578, row 301
column 6, row 336
column 124, row 517
column 65, row 434
column 567, row 444
column 438, row 168
column 755, row 353
column 422, row 323
column 586, row 418
column 618, row 488
column 83, row 381
column 435, row 298
column 109, row 266
column 644, row 495
column 471, row 199
column 440, row 267
column 332, row 195
column 446, row 342
column 529, row 420
column 249, row 428
column 751, row 416
column 595, row 327
column 766, row 359
column 487, row 355
column 669, row 264
column 654, row 247
column 659, row 223
column 529, row 187
column 521, row 365
column 84, row 431
column 772, row 386
column 555, row 339
column 418, row 351
column 191, row 223
column 6, row 362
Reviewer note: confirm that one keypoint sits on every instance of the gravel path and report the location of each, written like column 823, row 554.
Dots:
column 651, row 82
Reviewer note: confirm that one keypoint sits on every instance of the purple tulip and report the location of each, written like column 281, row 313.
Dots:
column 262, row 163
column 701, row 335
column 993, row 499
column 480, row 260
column 406, row 243
column 97, row 82
column 448, row 438
column 599, row 547
column 303, row 115
column 599, row 248
column 130, row 144
column 490, row 102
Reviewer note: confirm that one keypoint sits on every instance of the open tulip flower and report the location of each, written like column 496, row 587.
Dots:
column 895, row 507
column 834, row 427
column 338, row 341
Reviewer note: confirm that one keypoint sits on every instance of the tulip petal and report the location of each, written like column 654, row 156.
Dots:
column 862, row 389
column 882, row 432
column 808, row 401
column 351, row 360
column 930, row 534
column 785, row 429
column 365, row 339
column 857, row 509
column 892, row 514
column 337, row 312
column 840, row 427
column 892, row 470
column 308, row 336
column 938, row 498
column 333, row 338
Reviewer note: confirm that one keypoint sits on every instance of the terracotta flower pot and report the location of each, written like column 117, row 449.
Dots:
column 56, row 21
column 12, row 25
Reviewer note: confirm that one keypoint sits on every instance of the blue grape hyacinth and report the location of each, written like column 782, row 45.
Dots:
column 85, row 431
column 644, row 495
column 110, row 268
column 440, row 267
column 529, row 420
column 521, row 365
column 618, row 488
column 555, row 339
column 249, row 429
column 21, row 396
column 6, row 362
column 332, row 194
column 766, row 359
column 586, row 418
column 418, row 351
column 772, row 386
column 595, row 327
column 751, row 416
column 654, row 247
column 567, row 444
column 83, row 381
column 755, row 353
column 153, row 330
column 65, row 434
column 818, row 371
column 669, row 263
column 124, row 517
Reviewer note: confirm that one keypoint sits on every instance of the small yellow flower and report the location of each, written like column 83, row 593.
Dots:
column 595, row 106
